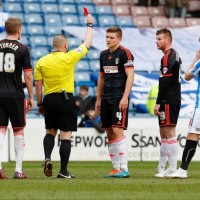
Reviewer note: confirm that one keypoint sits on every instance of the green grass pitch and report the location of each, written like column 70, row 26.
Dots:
column 89, row 183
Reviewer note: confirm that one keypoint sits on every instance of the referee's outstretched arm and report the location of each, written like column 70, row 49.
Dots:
column 89, row 32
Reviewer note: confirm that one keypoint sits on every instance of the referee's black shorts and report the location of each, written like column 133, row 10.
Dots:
column 168, row 114
column 60, row 113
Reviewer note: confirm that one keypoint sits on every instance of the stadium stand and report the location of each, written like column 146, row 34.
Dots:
column 142, row 21
column 177, row 22
column 42, row 19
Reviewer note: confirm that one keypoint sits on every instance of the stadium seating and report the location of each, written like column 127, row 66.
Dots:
column 37, row 53
column 102, row 2
column 177, row 22
column 32, row 8
column 107, row 20
column 142, row 21
column 95, row 65
column 33, row 19
column 38, row 41
column 35, row 30
column 124, row 21
column 67, row 9
column 104, row 10
column 122, row 10
column 42, row 19
column 13, row 7
column 49, row 8
column 52, row 30
column 52, row 20
column 70, row 20
column 82, row 66
column 192, row 21
column 156, row 11
column 160, row 22
column 139, row 11
column 118, row 2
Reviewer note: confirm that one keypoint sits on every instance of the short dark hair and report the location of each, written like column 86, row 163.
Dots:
column 12, row 25
column 115, row 29
column 165, row 31
column 84, row 87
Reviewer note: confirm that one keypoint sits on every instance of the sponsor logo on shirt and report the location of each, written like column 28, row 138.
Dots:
column 79, row 50
column 129, row 63
column 165, row 70
column 117, row 61
column 110, row 69
column 197, row 129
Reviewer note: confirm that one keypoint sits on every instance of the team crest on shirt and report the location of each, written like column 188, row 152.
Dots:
column 79, row 50
column 117, row 61
column 165, row 69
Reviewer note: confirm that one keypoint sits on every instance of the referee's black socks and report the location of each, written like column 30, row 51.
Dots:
column 65, row 150
column 48, row 142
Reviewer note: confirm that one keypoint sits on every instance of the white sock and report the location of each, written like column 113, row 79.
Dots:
column 123, row 153
column 19, row 151
column 172, row 148
column 114, row 155
column 163, row 155
column 2, row 136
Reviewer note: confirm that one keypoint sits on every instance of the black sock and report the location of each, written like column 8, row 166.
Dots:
column 48, row 142
column 65, row 150
column 188, row 153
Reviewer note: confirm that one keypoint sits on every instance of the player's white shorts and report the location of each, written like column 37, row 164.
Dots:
column 194, row 125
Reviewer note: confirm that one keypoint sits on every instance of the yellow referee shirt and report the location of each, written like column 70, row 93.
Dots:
column 57, row 70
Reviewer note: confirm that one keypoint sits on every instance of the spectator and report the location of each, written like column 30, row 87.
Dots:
column 84, row 101
column 177, row 8
column 151, row 100
column 91, row 119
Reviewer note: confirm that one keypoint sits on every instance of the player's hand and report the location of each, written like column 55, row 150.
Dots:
column 156, row 109
column 123, row 103
column 29, row 105
column 41, row 110
column 98, row 106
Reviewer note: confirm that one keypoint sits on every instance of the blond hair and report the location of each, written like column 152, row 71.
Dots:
column 12, row 25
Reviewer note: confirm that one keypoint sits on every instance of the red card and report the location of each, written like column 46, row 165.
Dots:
column 85, row 10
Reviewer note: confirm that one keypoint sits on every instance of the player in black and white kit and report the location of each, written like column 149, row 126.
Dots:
column 168, row 102
column 114, row 85
column 14, row 58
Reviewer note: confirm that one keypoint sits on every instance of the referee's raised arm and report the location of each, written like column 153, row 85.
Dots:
column 89, row 32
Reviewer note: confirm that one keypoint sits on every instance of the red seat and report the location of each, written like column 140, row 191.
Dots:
column 117, row 2
column 160, row 22
column 194, row 6
column 122, row 10
column 192, row 21
column 177, row 22
column 156, row 11
column 142, row 21
column 102, row 2
column 139, row 11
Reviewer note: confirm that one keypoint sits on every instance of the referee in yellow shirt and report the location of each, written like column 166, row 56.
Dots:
column 56, row 72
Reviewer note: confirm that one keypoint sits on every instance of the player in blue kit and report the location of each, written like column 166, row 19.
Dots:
column 194, row 125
